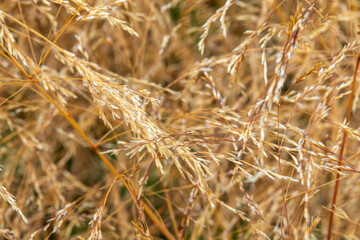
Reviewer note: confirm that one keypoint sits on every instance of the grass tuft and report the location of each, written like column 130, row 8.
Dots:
column 218, row 119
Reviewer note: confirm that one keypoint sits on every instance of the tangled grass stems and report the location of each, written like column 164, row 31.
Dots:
column 219, row 119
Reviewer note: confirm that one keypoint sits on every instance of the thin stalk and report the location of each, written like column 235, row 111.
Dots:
column 282, row 184
column 27, row 31
column 342, row 147
column 171, row 210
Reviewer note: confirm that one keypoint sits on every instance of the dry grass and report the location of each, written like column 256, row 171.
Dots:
column 217, row 119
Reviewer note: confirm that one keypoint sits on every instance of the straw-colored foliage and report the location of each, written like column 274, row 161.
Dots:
column 193, row 119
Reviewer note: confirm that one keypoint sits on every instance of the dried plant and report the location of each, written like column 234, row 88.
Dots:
column 221, row 119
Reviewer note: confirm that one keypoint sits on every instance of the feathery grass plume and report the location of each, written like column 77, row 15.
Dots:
column 8, row 45
column 95, row 224
column 221, row 119
column 7, row 234
column 9, row 198
column 58, row 220
column 220, row 14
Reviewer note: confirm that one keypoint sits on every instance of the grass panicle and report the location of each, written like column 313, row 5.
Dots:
column 220, row 119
